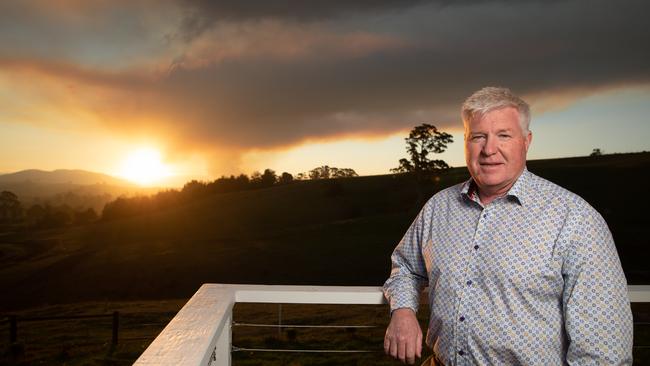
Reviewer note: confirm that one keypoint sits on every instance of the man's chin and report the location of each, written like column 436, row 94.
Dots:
column 488, row 181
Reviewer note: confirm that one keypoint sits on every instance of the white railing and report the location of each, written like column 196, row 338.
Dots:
column 200, row 334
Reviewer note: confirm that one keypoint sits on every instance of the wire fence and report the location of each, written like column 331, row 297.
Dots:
column 124, row 327
column 113, row 337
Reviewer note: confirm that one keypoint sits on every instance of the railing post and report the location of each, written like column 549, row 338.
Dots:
column 199, row 335
column 116, row 326
column 223, row 348
column 13, row 329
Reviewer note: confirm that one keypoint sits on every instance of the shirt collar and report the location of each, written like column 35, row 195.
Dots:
column 518, row 190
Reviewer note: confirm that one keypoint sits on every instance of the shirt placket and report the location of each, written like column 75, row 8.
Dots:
column 464, row 313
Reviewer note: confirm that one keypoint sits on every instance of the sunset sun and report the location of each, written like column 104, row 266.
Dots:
column 145, row 166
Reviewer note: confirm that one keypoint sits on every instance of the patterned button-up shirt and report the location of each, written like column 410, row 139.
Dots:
column 533, row 278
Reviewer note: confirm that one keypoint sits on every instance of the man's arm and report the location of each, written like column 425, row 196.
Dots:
column 403, row 338
column 597, row 314
column 408, row 277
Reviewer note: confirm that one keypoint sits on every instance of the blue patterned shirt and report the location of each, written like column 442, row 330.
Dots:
column 533, row 278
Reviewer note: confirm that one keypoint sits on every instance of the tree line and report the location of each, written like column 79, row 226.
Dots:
column 193, row 190
column 47, row 215
column 42, row 216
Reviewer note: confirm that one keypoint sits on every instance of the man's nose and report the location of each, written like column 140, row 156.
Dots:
column 490, row 146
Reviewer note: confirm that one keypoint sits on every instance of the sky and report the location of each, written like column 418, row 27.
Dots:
column 211, row 88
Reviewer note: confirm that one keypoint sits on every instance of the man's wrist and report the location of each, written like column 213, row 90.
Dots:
column 402, row 309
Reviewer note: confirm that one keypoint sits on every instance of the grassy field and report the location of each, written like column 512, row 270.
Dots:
column 85, row 341
column 333, row 232
column 88, row 341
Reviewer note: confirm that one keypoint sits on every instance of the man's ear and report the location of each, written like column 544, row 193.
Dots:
column 528, row 140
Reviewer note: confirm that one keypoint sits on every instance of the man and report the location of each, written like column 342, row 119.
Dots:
column 520, row 271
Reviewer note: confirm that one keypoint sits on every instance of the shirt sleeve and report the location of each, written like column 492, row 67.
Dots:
column 408, row 275
column 597, row 314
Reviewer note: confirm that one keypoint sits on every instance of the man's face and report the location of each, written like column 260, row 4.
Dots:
column 495, row 150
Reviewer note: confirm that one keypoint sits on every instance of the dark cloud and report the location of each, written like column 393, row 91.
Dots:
column 293, row 9
column 202, row 14
column 314, row 9
column 534, row 48
column 290, row 82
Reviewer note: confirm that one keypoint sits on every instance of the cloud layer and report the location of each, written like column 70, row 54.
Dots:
column 241, row 75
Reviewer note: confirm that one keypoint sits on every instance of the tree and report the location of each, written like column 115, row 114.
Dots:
column 269, row 178
column 256, row 177
column 422, row 141
column 322, row 172
column 35, row 214
column 285, row 178
column 10, row 208
column 194, row 189
column 327, row 172
column 56, row 216
column 263, row 180
column 596, row 152
column 242, row 182
column 85, row 217
column 343, row 173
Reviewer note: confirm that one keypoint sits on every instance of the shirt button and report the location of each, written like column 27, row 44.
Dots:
column 461, row 352
column 469, row 283
column 462, row 318
column 475, row 246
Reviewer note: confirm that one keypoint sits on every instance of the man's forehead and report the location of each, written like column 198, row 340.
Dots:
column 481, row 128
column 472, row 114
column 503, row 118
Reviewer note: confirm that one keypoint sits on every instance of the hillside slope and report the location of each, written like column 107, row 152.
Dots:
column 60, row 176
column 335, row 232
column 76, row 188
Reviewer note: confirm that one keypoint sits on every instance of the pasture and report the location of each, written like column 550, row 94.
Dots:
column 328, row 232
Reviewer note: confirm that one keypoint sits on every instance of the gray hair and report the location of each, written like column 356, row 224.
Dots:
column 492, row 98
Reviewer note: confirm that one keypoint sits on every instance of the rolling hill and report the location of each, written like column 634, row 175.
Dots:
column 61, row 176
column 334, row 232
column 76, row 188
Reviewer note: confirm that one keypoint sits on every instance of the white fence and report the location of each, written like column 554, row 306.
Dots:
column 200, row 334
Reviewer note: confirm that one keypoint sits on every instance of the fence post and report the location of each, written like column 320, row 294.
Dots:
column 279, row 321
column 116, row 325
column 13, row 329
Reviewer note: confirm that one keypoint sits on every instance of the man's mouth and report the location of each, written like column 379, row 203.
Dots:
column 489, row 165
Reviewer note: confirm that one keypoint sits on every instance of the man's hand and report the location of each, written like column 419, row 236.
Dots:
column 403, row 338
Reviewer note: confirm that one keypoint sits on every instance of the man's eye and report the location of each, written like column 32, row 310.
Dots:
column 477, row 137
column 504, row 136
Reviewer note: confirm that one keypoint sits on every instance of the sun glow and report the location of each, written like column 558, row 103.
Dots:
column 145, row 166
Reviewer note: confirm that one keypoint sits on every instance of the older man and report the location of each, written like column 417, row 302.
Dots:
column 520, row 271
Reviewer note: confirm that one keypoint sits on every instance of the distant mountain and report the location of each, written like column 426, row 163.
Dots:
column 75, row 188
column 62, row 176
